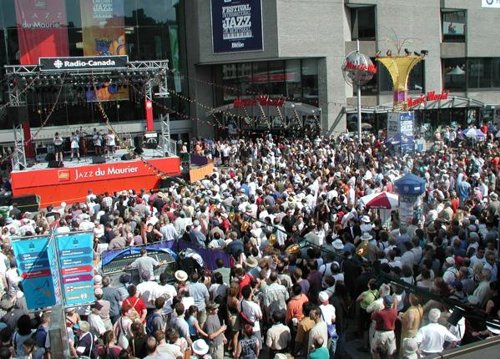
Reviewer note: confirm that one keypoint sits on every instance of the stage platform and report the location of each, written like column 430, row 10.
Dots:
column 71, row 183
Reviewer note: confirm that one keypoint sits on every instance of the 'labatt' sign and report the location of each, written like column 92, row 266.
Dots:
column 430, row 96
column 261, row 100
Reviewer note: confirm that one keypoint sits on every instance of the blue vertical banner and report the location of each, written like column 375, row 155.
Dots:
column 34, row 266
column 76, row 257
column 237, row 25
column 406, row 120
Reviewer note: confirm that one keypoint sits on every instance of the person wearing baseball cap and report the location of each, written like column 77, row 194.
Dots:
column 215, row 331
column 385, row 323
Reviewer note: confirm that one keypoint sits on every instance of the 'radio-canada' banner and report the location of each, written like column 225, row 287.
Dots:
column 236, row 25
column 42, row 29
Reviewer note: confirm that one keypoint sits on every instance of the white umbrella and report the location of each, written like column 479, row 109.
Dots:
column 380, row 200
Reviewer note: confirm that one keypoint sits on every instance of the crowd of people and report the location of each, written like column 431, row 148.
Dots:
column 309, row 267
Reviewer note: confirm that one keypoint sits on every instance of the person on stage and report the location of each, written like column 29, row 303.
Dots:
column 111, row 143
column 75, row 145
column 58, row 147
column 97, row 140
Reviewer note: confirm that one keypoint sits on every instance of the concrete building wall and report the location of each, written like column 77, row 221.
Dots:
column 321, row 29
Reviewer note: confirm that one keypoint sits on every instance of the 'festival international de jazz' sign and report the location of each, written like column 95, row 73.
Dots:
column 236, row 25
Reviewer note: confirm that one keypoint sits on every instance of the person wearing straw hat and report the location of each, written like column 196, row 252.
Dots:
column 200, row 349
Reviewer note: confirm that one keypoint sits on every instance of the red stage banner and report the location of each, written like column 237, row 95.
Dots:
column 150, row 125
column 54, row 185
column 103, row 30
column 42, row 29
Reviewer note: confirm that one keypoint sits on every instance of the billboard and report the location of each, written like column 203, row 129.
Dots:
column 103, row 32
column 42, row 29
column 236, row 25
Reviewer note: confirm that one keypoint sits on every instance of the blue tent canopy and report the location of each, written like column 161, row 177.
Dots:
column 410, row 185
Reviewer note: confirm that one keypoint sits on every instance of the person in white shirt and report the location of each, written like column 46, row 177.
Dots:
column 251, row 310
column 432, row 337
column 148, row 290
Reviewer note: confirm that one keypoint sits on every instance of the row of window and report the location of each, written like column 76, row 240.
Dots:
column 293, row 79
column 363, row 24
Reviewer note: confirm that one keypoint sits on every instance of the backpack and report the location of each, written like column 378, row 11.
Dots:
column 150, row 327
column 133, row 312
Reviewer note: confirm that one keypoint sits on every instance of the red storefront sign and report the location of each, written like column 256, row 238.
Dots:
column 430, row 96
column 261, row 100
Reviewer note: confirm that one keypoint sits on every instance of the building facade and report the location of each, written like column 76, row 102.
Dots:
column 305, row 44
column 226, row 50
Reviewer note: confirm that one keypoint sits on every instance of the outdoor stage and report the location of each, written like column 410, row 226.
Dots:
column 72, row 182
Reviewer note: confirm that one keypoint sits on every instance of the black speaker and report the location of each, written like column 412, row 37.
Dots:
column 55, row 164
column 126, row 157
column 27, row 203
column 98, row 159
column 50, row 157
column 138, row 145
column 17, row 115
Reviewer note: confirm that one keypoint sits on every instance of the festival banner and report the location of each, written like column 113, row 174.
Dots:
column 103, row 32
column 237, row 25
column 42, row 29
column 173, row 35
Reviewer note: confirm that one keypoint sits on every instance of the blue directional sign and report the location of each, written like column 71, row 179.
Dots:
column 32, row 260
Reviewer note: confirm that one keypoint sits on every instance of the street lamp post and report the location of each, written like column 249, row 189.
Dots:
column 358, row 69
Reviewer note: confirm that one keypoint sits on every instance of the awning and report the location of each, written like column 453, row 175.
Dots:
column 288, row 109
column 451, row 102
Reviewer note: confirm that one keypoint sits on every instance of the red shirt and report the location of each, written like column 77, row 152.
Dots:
column 246, row 280
column 385, row 319
column 136, row 303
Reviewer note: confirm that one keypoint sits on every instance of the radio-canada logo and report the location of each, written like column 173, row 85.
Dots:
column 58, row 64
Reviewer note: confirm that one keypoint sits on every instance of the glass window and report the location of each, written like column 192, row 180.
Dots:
column 495, row 72
column 454, row 74
column 310, row 80
column 363, row 23
column 277, row 78
column 416, row 80
column 293, row 79
column 454, row 25
column 244, row 75
column 230, row 82
column 260, row 78
column 479, row 73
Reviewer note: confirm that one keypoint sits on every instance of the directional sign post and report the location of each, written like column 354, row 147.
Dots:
column 56, row 269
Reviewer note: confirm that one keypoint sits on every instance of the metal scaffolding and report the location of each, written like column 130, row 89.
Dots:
column 151, row 74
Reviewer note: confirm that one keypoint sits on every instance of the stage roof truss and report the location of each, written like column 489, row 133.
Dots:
column 155, row 72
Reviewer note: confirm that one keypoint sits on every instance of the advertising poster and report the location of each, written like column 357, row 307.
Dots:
column 32, row 260
column 103, row 32
column 392, row 124
column 76, row 268
column 406, row 131
column 236, row 25
column 42, row 29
